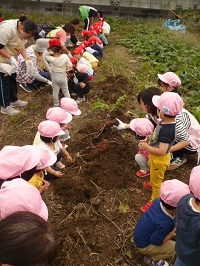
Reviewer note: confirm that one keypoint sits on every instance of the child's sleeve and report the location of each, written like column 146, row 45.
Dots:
column 160, row 233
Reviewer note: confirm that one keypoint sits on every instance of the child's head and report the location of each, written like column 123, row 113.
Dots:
column 85, row 33
column 41, row 45
column 58, row 115
column 144, row 98
column 70, row 73
column 19, row 195
column 75, row 22
column 142, row 127
column 194, row 183
column 26, row 239
column 48, row 158
column 74, row 62
column 92, row 40
column 68, row 28
column 168, row 81
column 50, row 129
column 55, row 45
column 171, row 192
column 169, row 103
column 70, row 105
column 15, row 160
column 78, row 52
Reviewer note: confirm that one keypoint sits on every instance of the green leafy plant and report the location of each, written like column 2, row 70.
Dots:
column 109, row 107
column 162, row 51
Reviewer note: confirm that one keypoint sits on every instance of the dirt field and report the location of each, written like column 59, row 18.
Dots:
column 95, row 206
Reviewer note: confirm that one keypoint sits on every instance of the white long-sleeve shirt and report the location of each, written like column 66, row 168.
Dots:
column 57, row 64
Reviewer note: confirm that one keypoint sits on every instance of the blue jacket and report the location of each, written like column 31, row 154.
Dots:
column 153, row 226
column 188, row 232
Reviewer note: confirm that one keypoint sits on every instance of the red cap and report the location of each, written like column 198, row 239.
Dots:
column 92, row 40
column 84, row 33
column 73, row 60
column 84, row 44
column 92, row 32
column 78, row 50
column 54, row 42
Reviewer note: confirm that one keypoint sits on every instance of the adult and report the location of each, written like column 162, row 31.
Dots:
column 11, row 45
column 72, row 37
column 88, row 13
column 40, row 73
column 78, row 84
column 26, row 239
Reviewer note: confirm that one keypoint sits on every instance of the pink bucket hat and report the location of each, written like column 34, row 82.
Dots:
column 50, row 129
column 48, row 158
column 170, row 103
column 15, row 160
column 58, row 115
column 194, row 182
column 170, row 78
column 70, row 105
column 172, row 191
column 142, row 126
column 19, row 195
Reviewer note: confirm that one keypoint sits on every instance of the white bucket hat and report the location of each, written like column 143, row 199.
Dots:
column 41, row 45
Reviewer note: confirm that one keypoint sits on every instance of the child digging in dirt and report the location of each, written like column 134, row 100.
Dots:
column 155, row 230
column 143, row 128
column 49, row 134
column 169, row 105
column 70, row 106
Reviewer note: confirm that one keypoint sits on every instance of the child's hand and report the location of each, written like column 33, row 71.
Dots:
column 69, row 158
column 58, row 174
column 82, row 84
column 143, row 145
column 44, row 186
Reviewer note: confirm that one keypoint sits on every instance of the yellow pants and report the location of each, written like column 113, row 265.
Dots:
column 158, row 165
column 165, row 251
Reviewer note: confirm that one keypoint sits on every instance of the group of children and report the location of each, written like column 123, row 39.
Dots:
column 159, row 134
column 163, row 133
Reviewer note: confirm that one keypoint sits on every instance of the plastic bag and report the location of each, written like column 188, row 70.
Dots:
column 174, row 25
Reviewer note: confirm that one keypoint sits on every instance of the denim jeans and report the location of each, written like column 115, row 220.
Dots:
column 178, row 262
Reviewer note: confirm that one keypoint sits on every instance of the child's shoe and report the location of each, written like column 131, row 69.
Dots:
column 145, row 208
column 148, row 260
column 147, row 186
column 80, row 100
column 60, row 165
column 142, row 173
column 176, row 162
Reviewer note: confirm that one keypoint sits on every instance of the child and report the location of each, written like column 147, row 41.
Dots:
column 169, row 81
column 155, row 229
column 37, row 180
column 49, row 134
column 70, row 106
column 188, row 224
column 96, row 47
column 58, row 115
column 58, row 64
column 168, row 105
column 16, row 161
column 78, row 55
column 82, row 68
column 26, row 233
column 78, row 83
column 19, row 195
column 143, row 128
